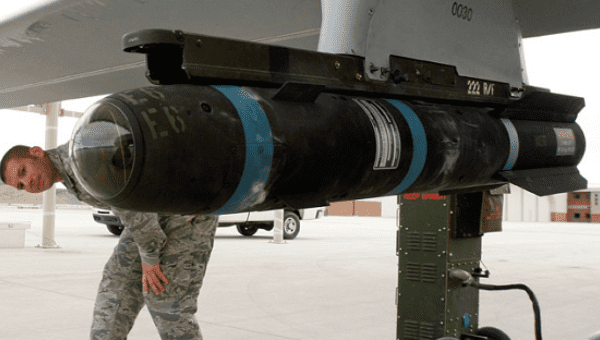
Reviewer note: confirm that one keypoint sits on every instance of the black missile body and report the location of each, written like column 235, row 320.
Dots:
column 224, row 149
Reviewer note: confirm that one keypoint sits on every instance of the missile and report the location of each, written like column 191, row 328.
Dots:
column 189, row 148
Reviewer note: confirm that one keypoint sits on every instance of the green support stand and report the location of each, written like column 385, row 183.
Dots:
column 435, row 235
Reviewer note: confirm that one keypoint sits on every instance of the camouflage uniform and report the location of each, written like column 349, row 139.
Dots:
column 180, row 244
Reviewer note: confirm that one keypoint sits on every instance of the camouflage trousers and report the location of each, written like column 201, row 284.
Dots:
column 183, row 260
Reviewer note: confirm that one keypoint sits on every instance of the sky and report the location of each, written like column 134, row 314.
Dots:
column 564, row 63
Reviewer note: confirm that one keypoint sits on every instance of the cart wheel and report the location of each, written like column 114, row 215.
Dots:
column 246, row 229
column 493, row 333
column 115, row 229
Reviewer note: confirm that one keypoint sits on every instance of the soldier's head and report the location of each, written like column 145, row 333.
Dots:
column 28, row 168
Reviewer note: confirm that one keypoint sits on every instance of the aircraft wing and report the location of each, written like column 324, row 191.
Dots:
column 545, row 17
column 69, row 49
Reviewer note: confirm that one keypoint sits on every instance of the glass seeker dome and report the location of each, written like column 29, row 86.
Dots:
column 102, row 150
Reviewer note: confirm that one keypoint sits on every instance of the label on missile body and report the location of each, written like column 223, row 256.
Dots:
column 565, row 142
column 387, row 135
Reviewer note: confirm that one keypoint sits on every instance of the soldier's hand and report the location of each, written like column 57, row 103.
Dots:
column 152, row 276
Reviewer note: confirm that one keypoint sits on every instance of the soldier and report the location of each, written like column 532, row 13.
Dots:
column 165, row 253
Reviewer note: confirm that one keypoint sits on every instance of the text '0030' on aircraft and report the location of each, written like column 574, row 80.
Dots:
column 260, row 106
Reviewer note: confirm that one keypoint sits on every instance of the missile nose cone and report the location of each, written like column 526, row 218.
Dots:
column 103, row 149
column 173, row 149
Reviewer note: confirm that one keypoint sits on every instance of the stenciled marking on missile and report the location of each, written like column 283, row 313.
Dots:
column 259, row 150
column 514, row 144
column 151, row 123
column 419, row 140
column 171, row 114
column 139, row 96
column 565, row 142
column 173, row 117
column 387, row 135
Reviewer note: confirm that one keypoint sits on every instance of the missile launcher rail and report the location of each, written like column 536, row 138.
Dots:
column 175, row 57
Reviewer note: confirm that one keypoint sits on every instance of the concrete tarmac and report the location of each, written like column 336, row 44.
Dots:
column 337, row 280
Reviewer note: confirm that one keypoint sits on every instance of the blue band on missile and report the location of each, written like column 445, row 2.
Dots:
column 259, row 150
column 514, row 144
column 419, row 140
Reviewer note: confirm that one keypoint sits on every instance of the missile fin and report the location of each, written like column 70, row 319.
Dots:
column 545, row 106
column 494, row 189
column 546, row 181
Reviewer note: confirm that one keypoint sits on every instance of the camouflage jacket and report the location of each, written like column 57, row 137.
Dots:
column 145, row 227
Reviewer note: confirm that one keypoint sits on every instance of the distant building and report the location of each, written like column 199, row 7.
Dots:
column 375, row 207
column 584, row 206
column 579, row 206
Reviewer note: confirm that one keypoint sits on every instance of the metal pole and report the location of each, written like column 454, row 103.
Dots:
column 537, row 208
column 278, row 223
column 522, row 204
column 48, row 241
column 505, row 203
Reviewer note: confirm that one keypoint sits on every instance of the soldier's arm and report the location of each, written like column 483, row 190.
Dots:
column 146, row 232
column 150, row 238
